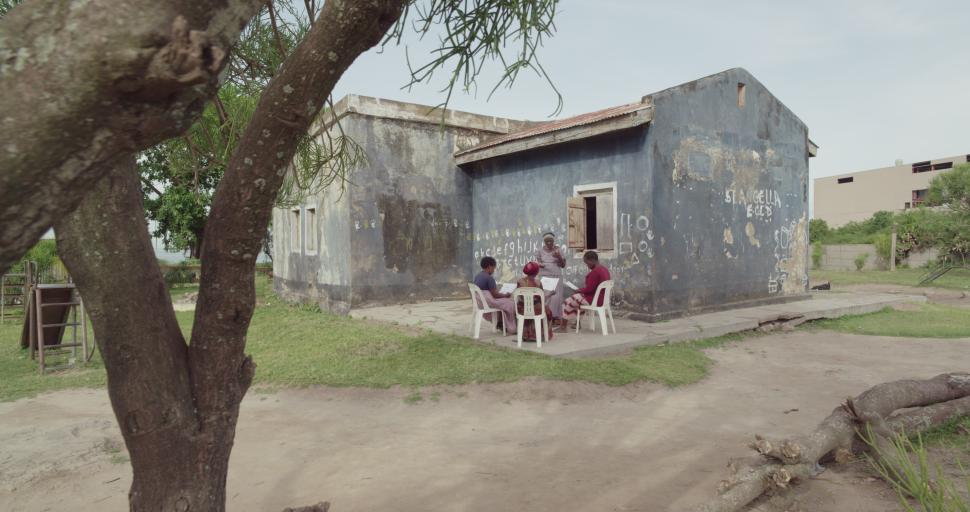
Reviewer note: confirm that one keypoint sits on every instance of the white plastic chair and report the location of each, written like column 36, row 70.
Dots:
column 480, row 308
column 604, row 290
column 529, row 312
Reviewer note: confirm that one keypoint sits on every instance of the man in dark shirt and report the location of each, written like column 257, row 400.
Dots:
column 501, row 301
column 584, row 296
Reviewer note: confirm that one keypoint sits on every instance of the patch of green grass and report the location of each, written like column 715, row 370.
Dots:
column 958, row 279
column 180, row 291
column 413, row 398
column 295, row 346
column 925, row 321
column 19, row 375
column 954, row 434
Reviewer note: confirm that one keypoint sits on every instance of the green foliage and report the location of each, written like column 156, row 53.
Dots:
column 818, row 230
column 860, row 261
column 179, row 275
column 952, row 190
column 917, row 229
column 818, row 251
column 953, row 435
column 7, row 5
column 44, row 254
column 903, row 463
column 884, row 245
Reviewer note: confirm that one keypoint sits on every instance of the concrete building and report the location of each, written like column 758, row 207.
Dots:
column 856, row 196
column 695, row 198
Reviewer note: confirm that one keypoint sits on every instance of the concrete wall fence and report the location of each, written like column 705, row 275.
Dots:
column 842, row 257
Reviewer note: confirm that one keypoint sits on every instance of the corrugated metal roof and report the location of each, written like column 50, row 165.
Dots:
column 562, row 124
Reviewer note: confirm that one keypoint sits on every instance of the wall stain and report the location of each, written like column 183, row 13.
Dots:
column 416, row 236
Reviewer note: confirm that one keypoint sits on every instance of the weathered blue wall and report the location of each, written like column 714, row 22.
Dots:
column 411, row 216
column 712, row 200
column 730, row 195
column 401, row 231
column 520, row 196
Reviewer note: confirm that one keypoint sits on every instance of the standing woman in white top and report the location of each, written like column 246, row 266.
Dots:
column 551, row 262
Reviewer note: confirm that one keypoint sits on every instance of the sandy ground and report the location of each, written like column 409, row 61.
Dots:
column 534, row 445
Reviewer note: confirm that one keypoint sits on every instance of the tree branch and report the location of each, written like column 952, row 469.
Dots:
column 118, row 88
column 280, row 47
column 244, row 199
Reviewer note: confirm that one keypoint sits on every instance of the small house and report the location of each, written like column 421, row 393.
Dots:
column 695, row 197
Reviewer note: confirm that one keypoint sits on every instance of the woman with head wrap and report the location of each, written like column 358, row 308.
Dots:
column 531, row 270
column 551, row 262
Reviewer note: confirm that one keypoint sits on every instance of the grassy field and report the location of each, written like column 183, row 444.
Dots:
column 953, row 280
column 924, row 321
column 300, row 346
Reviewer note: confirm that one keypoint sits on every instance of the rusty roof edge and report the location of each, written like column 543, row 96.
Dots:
column 510, row 138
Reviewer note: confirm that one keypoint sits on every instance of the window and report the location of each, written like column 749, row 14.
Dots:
column 310, row 229
column 907, row 205
column 850, row 179
column 968, row 158
column 922, row 167
column 592, row 218
column 741, row 91
column 295, row 232
column 919, row 196
column 944, row 165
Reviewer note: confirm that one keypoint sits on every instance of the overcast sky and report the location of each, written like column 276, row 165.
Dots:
column 873, row 80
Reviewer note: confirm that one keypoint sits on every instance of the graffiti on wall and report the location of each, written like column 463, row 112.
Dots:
column 513, row 247
column 758, row 204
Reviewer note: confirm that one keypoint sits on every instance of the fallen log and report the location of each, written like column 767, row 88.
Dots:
column 918, row 405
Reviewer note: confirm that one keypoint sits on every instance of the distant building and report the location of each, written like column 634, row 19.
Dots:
column 695, row 197
column 856, row 196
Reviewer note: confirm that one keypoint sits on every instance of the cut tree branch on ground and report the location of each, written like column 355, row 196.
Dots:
column 904, row 406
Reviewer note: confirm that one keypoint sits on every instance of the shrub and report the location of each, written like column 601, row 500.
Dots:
column 884, row 246
column 818, row 230
column 860, row 261
column 179, row 275
column 817, row 252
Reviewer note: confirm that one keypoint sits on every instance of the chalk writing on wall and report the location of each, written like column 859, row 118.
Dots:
column 757, row 204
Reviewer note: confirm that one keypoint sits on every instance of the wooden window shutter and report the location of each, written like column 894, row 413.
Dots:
column 576, row 215
column 604, row 222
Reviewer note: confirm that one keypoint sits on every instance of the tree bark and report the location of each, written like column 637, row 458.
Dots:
column 179, row 461
column 244, row 198
column 178, row 403
column 87, row 82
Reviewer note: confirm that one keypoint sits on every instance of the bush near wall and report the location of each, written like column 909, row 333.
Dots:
column 917, row 230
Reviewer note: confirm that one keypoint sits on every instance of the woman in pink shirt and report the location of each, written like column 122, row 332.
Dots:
column 584, row 296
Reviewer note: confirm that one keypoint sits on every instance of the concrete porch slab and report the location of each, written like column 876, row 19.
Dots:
column 454, row 317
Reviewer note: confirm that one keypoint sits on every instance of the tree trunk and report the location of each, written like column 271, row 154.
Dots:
column 86, row 82
column 195, row 252
column 178, row 403
column 179, row 456
column 244, row 199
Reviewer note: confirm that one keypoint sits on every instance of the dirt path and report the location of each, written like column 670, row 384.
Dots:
column 536, row 446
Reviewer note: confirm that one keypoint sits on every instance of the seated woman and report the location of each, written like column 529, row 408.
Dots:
column 531, row 270
column 584, row 296
column 493, row 297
